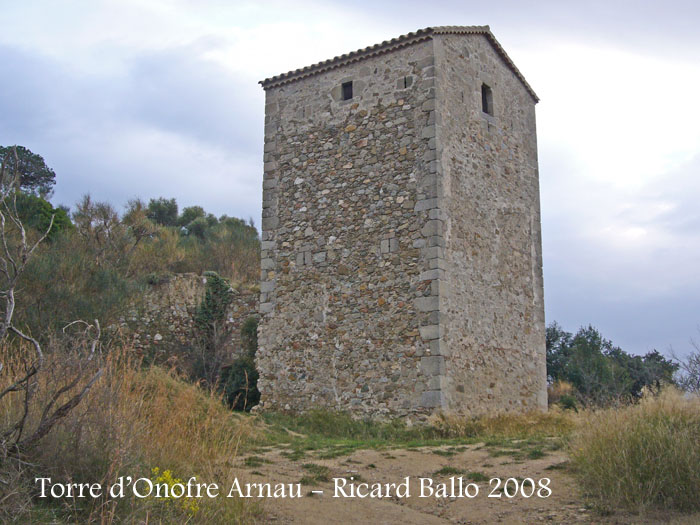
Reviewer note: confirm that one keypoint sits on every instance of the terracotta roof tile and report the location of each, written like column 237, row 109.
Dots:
column 390, row 45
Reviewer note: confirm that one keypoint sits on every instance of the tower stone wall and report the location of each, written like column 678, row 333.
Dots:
column 401, row 252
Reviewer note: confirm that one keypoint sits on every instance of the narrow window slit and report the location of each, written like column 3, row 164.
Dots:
column 347, row 90
column 486, row 99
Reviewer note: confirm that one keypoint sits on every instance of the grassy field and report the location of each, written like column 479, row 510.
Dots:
column 324, row 434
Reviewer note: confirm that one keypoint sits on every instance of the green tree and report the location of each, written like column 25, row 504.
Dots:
column 163, row 211
column 198, row 227
column 212, row 346
column 34, row 175
column 36, row 213
column 189, row 214
column 600, row 371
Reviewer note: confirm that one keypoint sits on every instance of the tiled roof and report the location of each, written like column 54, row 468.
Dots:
column 390, row 45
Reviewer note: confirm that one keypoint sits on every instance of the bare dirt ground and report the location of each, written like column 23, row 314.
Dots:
column 564, row 505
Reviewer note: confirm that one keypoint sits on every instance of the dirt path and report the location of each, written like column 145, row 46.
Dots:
column 564, row 505
column 392, row 466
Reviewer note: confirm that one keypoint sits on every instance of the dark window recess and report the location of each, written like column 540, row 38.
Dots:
column 486, row 99
column 407, row 81
column 347, row 90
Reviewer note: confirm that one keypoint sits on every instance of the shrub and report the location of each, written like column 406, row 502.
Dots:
column 644, row 455
column 133, row 421
column 562, row 393
column 212, row 346
column 64, row 281
column 156, row 279
column 239, row 381
column 249, row 336
column 568, row 402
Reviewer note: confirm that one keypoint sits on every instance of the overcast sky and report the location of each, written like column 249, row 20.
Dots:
column 160, row 98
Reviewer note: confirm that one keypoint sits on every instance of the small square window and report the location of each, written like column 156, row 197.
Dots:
column 347, row 90
column 486, row 99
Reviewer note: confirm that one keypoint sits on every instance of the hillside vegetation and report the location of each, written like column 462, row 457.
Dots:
column 96, row 259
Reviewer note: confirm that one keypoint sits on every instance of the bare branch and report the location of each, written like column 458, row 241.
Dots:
column 60, row 413
column 21, row 384
column 41, row 239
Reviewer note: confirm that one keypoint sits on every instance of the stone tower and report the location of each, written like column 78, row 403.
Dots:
column 401, row 246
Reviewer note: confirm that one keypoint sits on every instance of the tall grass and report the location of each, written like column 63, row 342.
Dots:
column 534, row 424
column 642, row 456
column 133, row 421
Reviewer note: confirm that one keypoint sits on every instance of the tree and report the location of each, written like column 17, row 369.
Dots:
column 599, row 370
column 198, row 227
column 99, row 225
column 163, row 211
column 139, row 226
column 38, row 213
column 34, row 175
column 189, row 214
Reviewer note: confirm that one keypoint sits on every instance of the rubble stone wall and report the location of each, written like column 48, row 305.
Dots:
column 162, row 317
column 346, row 285
column 401, row 252
column 491, row 307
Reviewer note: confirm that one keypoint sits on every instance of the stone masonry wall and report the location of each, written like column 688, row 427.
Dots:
column 348, row 302
column 401, row 252
column 492, row 306
column 161, row 318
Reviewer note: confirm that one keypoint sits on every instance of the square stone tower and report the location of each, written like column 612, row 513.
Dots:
column 401, row 246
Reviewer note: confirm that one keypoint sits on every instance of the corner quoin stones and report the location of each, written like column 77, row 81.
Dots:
column 401, row 245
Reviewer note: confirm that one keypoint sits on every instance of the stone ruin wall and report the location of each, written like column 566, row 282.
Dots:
column 348, row 294
column 161, row 318
column 492, row 306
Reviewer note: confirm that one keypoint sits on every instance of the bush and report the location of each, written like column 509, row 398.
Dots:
column 239, row 383
column 134, row 422
column 64, row 281
column 642, row 456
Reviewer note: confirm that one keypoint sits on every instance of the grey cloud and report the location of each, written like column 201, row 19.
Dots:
column 179, row 91
column 173, row 125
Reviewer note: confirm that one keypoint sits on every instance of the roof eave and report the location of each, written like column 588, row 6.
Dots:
column 390, row 45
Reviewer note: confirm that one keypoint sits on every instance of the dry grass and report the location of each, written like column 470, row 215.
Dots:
column 559, row 389
column 642, row 456
column 132, row 421
column 535, row 424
